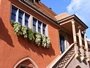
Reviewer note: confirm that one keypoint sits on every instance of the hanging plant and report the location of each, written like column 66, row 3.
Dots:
column 24, row 31
column 12, row 22
column 30, row 34
column 44, row 40
column 48, row 42
column 17, row 28
column 38, row 39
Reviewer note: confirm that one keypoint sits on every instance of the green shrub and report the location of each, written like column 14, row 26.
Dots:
column 24, row 31
column 32, row 36
column 44, row 40
column 48, row 42
column 38, row 38
column 17, row 28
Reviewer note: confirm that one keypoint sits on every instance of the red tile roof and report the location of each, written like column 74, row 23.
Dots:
column 47, row 11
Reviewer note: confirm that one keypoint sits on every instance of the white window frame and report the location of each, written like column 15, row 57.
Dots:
column 17, row 14
column 30, row 24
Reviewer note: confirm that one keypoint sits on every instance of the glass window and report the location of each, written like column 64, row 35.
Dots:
column 78, row 66
column 29, row 1
column 22, row 67
column 20, row 16
column 34, row 24
column 44, row 29
column 26, row 19
column 39, row 26
column 62, row 44
column 13, row 13
column 37, row 0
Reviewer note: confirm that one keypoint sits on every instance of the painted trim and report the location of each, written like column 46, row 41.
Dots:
column 23, row 59
column 66, row 65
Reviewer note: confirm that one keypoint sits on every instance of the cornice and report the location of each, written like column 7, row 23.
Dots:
column 34, row 8
column 75, row 18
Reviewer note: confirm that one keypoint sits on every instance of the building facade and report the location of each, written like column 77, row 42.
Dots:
column 33, row 36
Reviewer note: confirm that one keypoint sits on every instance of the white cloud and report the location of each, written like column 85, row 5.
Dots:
column 82, row 9
column 74, row 5
column 77, row 5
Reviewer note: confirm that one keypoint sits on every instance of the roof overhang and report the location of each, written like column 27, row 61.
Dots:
column 74, row 17
column 66, row 24
column 31, row 6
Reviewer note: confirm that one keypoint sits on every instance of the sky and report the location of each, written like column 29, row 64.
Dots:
column 79, row 7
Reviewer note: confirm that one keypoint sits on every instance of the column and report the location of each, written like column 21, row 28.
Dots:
column 74, row 38
column 86, row 47
column 81, row 45
column 66, row 42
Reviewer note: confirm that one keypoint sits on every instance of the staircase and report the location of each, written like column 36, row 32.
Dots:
column 65, row 57
column 62, row 60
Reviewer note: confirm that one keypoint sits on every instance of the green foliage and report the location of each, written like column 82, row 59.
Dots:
column 12, row 22
column 24, row 31
column 38, row 39
column 44, row 41
column 32, row 36
column 48, row 42
column 17, row 28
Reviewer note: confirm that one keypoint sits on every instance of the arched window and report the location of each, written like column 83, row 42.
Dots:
column 26, row 63
column 78, row 66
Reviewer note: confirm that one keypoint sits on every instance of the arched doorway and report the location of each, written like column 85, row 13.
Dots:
column 26, row 63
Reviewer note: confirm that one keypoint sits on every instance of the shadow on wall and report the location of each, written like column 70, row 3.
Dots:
column 4, row 35
column 38, row 49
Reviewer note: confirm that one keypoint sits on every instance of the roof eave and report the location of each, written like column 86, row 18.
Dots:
column 41, row 13
column 75, row 18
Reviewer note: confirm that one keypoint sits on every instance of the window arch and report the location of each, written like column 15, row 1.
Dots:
column 78, row 66
column 26, row 63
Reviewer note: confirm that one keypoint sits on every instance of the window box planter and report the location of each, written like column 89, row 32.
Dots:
column 39, row 39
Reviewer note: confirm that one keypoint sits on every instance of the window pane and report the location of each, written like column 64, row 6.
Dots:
column 34, row 24
column 62, row 44
column 29, row 1
column 20, row 16
column 13, row 13
column 39, row 26
column 44, row 29
column 26, row 19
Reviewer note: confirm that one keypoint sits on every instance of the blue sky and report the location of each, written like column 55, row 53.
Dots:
column 79, row 7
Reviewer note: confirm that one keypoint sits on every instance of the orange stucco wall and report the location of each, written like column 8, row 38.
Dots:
column 13, row 48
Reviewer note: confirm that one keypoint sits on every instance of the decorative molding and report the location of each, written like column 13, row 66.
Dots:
column 62, row 62
column 26, row 58
column 28, row 1
column 39, row 11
